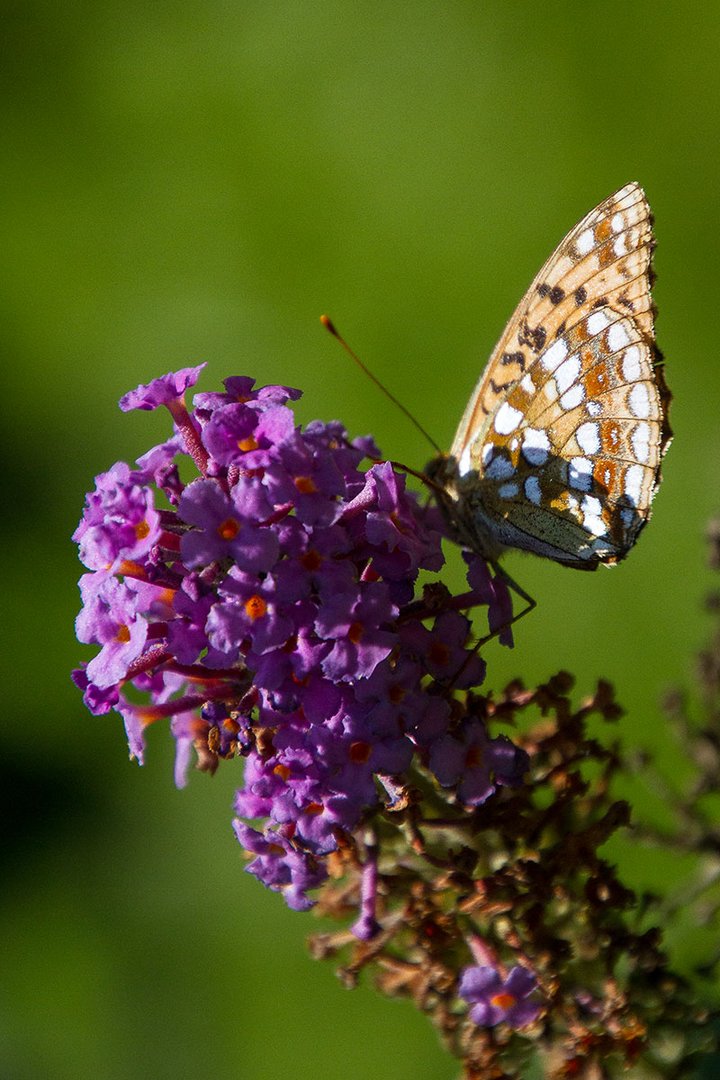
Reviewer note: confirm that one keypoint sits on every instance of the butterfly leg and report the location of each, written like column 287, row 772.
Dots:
column 531, row 603
column 499, row 630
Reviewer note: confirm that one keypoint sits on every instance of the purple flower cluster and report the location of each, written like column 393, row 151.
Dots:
column 266, row 608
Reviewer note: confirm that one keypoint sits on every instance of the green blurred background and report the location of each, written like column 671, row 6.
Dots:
column 200, row 181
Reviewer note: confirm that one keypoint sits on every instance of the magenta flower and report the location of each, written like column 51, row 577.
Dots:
column 354, row 622
column 163, row 391
column 226, row 526
column 120, row 522
column 497, row 1000
column 248, row 613
column 281, row 866
column 110, row 618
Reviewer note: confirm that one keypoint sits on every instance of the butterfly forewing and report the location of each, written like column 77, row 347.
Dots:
column 559, row 448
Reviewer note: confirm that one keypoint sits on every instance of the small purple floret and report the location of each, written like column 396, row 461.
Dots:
column 162, row 391
column 497, row 1000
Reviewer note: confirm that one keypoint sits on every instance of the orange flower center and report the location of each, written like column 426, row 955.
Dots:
column 503, row 1000
column 142, row 529
column 229, row 529
column 123, row 635
column 305, row 485
column 311, row 560
column 355, row 632
column 255, row 607
column 360, row 752
column 439, row 653
column 131, row 569
column 247, row 444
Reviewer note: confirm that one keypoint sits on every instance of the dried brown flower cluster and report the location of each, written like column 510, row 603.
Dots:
column 521, row 881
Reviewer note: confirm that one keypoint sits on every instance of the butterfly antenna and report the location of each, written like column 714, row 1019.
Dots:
column 330, row 326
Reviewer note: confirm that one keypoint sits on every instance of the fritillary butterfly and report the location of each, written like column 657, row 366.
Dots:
column 559, row 449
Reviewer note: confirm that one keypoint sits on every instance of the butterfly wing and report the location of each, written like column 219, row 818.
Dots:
column 559, row 449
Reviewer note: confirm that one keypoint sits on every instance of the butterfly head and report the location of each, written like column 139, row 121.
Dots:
column 460, row 500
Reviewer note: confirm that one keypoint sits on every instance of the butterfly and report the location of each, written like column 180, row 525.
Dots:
column 558, row 451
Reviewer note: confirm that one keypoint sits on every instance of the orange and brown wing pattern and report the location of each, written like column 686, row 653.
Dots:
column 559, row 448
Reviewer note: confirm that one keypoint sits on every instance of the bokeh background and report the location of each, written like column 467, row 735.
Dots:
column 200, row 180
